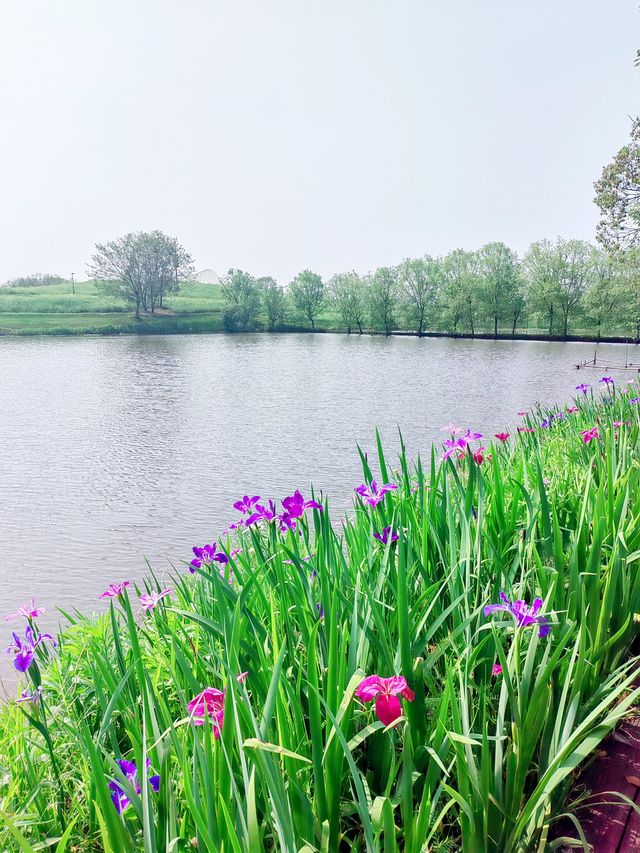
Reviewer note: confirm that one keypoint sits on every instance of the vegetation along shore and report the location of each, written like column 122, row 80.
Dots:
column 427, row 673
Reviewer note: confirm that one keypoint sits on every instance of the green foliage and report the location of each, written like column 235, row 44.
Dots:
column 477, row 762
column 383, row 299
column 241, row 301
column 307, row 293
column 618, row 196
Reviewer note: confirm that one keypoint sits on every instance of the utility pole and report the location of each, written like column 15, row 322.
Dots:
column 73, row 285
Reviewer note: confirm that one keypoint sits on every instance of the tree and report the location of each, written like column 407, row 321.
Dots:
column 498, row 282
column 307, row 292
column 418, row 282
column 35, row 280
column 241, row 301
column 574, row 269
column 274, row 301
column 541, row 267
column 459, row 291
column 618, row 196
column 607, row 292
column 384, row 298
column 346, row 297
column 139, row 267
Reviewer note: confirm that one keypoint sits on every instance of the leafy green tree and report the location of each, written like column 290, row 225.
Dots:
column 140, row 267
column 574, row 266
column 418, row 280
column 459, row 291
column 307, row 292
column 541, row 268
column 618, row 196
column 607, row 291
column 383, row 292
column 498, row 275
column 274, row 301
column 35, row 280
column 345, row 292
column 241, row 296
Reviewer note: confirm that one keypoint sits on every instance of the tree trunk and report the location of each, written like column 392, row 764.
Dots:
column 550, row 322
column 313, row 325
column 495, row 326
column 565, row 327
column 360, row 328
column 137, row 309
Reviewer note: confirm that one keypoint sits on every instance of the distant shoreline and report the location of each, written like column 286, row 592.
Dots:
column 103, row 325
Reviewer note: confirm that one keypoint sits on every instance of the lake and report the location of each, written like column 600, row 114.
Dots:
column 119, row 449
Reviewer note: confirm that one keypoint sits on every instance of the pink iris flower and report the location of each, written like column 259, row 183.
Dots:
column 114, row 590
column 496, row 670
column 525, row 429
column 385, row 691
column 502, row 436
column 210, row 705
column 589, row 434
column 29, row 611
column 571, row 410
column 478, row 456
column 149, row 600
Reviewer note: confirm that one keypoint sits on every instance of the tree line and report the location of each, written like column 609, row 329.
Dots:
column 556, row 284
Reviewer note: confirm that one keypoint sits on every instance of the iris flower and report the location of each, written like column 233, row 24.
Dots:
column 149, row 600
column 262, row 513
column 496, row 670
column 502, row 436
column 608, row 380
column 374, row 494
column 524, row 614
column 635, row 400
column 210, row 705
column 478, row 456
column 385, row 691
column 246, row 504
column 29, row 611
column 589, row 434
column 294, row 507
column 388, row 534
column 24, row 650
column 571, row 410
column 114, row 590
column 130, row 773
column 31, row 696
column 525, row 429
column 207, row 555
column 582, row 387
column 452, row 429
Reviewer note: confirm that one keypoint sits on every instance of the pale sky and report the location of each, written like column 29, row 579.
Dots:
column 275, row 135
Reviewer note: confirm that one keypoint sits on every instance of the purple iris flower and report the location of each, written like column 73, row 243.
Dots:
column 295, row 505
column 206, row 555
column 458, row 445
column 635, row 400
column 24, row 650
column 582, row 387
column 29, row 611
column 320, row 610
column 302, row 560
column 246, row 504
column 375, row 493
column 388, row 534
column 523, row 613
column 130, row 773
column 608, row 380
column 262, row 513
column 472, row 436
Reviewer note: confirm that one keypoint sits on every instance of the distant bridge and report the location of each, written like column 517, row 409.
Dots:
column 207, row 276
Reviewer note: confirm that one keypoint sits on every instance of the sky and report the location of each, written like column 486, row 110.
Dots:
column 281, row 135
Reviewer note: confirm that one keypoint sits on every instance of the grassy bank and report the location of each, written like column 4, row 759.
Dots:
column 55, row 310
column 247, row 686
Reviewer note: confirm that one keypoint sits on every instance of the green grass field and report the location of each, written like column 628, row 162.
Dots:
column 55, row 310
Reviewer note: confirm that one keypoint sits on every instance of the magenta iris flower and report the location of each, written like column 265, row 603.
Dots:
column 262, row 513
column 524, row 614
column 246, row 504
column 571, row 410
column 130, row 773
column 385, row 691
column 589, row 434
column 388, row 534
column 375, row 493
column 208, row 705
column 294, row 507
column 114, row 590
column 525, row 429
column 206, row 555
column 149, row 600
column 582, row 387
column 29, row 611
column 496, row 670
column 502, row 436
column 24, row 650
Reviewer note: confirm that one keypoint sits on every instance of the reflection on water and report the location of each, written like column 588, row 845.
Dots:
column 114, row 449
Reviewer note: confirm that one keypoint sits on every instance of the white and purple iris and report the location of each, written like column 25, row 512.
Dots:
column 523, row 613
column 29, row 611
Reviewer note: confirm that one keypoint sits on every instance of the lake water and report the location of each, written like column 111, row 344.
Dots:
column 117, row 449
